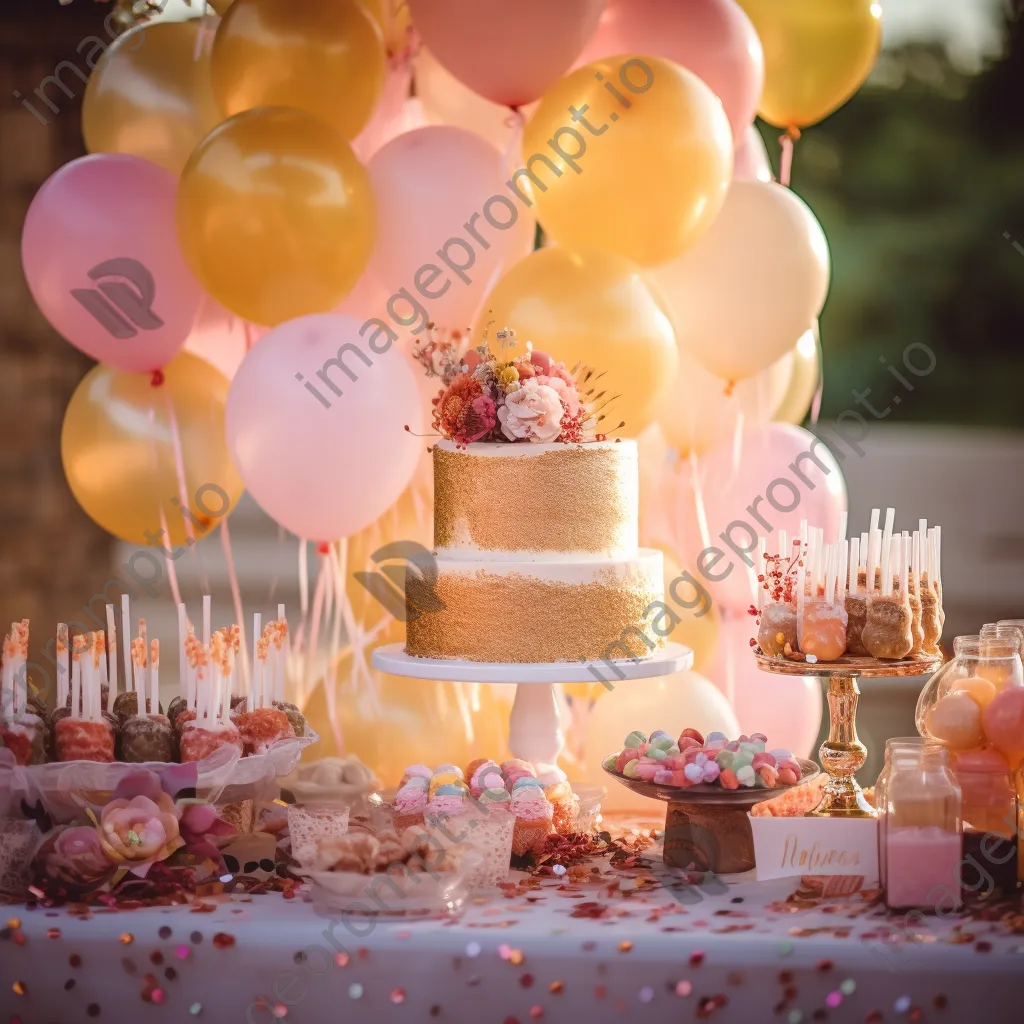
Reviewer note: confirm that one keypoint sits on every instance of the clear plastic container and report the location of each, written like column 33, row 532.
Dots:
column 990, row 819
column 922, row 848
column 952, row 704
column 894, row 746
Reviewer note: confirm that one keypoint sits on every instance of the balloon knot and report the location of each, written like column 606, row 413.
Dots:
column 730, row 386
column 323, row 548
column 793, row 132
column 158, row 379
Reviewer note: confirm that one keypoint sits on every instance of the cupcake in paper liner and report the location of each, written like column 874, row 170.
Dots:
column 410, row 804
column 563, row 800
column 533, row 813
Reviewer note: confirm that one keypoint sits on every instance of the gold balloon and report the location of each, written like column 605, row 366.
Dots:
column 150, row 96
column 817, row 55
column 394, row 20
column 803, row 385
column 118, row 448
column 322, row 56
column 391, row 722
column 275, row 215
column 650, row 174
column 591, row 307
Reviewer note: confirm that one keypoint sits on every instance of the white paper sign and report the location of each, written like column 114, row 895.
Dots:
column 816, row 846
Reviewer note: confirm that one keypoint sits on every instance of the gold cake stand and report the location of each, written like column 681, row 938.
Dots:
column 842, row 754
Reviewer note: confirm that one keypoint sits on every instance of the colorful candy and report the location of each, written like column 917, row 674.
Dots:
column 698, row 761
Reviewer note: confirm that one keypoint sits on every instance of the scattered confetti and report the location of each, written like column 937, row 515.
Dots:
column 556, row 988
column 834, row 999
column 786, row 948
column 536, row 1012
column 182, row 952
column 683, row 989
column 646, row 994
column 625, row 946
column 165, row 932
column 341, row 960
column 848, row 987
column 472, row 949
column 526, row 981
column 19, row 988
column 696, row 958
column 223, row 941
column 902, row 1004
column 398, row 995
column 126, row 938
column 14, row 923
column 355, row 991
column 196, row 1009
column 516, row 957
column 795, row 1016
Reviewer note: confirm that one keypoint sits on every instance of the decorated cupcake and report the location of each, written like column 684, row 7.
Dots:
column 533, row 813
column 563, row 800
column 410, row 804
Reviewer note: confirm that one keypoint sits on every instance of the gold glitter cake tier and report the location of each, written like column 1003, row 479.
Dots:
column 529, row 612
column 536, row 501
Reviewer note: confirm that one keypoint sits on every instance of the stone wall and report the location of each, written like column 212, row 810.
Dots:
column 52, row 556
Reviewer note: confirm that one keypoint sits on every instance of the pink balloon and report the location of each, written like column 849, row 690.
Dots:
column 316, row 425
column 787, row 709
column 101, row 257
column 729, row 488
column 1003, row 722
column 713, row 38
column 510, row 53
column 752, row 162
column 429, row 185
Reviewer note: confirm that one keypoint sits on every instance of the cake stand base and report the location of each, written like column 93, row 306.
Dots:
column 535, row 726
column 842, row 754
column 708, row 838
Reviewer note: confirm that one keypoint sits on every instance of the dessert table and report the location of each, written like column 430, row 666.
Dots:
column 602, row 942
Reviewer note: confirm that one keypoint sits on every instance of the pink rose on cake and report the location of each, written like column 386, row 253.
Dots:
column 567, row 393
column 533, row 412
column 139, row 831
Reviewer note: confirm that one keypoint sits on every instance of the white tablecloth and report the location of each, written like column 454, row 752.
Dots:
column 732, row 951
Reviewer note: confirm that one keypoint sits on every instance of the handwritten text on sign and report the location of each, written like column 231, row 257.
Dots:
column 816, row 846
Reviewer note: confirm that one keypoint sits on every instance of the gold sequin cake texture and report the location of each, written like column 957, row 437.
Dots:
column 579, row 499
column 511, row 617
column 537, row 558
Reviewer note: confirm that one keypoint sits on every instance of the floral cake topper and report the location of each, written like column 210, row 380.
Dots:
column 529, row 397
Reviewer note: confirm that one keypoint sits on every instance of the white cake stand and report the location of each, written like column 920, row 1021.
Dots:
column 535, row 727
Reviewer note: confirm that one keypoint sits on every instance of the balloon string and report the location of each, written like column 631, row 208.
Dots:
column 318, row 607
column 786, row 163
column 236, row 598
column 201, row 34
column 698, row 499
column 730, row 668
column 172, row 573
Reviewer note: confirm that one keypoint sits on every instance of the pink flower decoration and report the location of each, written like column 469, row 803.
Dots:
column 533, row 412
column 140, row 831
column 480, row 420
column 75, row 856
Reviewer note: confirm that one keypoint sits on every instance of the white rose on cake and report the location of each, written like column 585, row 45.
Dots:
column 532, row 412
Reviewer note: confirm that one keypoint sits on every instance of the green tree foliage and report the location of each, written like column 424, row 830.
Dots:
column 916, row 182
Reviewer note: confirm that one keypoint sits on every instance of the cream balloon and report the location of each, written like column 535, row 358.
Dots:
column 805, row 380
column 700, row 410
column 673, row 703
column 751, row 285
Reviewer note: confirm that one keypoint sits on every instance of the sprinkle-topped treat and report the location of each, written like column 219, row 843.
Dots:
column 96, row 717
column 878, row 595
column 693, row 760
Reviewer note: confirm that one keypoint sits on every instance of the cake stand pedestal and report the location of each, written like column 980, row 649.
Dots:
column 842, row 754
column 535, row 726
column 707, row 828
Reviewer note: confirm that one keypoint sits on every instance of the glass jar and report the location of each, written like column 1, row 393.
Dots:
column 893, row 747
column 922, row 827
column 989, row 812
column 950, row 708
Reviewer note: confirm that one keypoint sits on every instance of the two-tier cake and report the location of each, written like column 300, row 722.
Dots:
column 535, row 525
